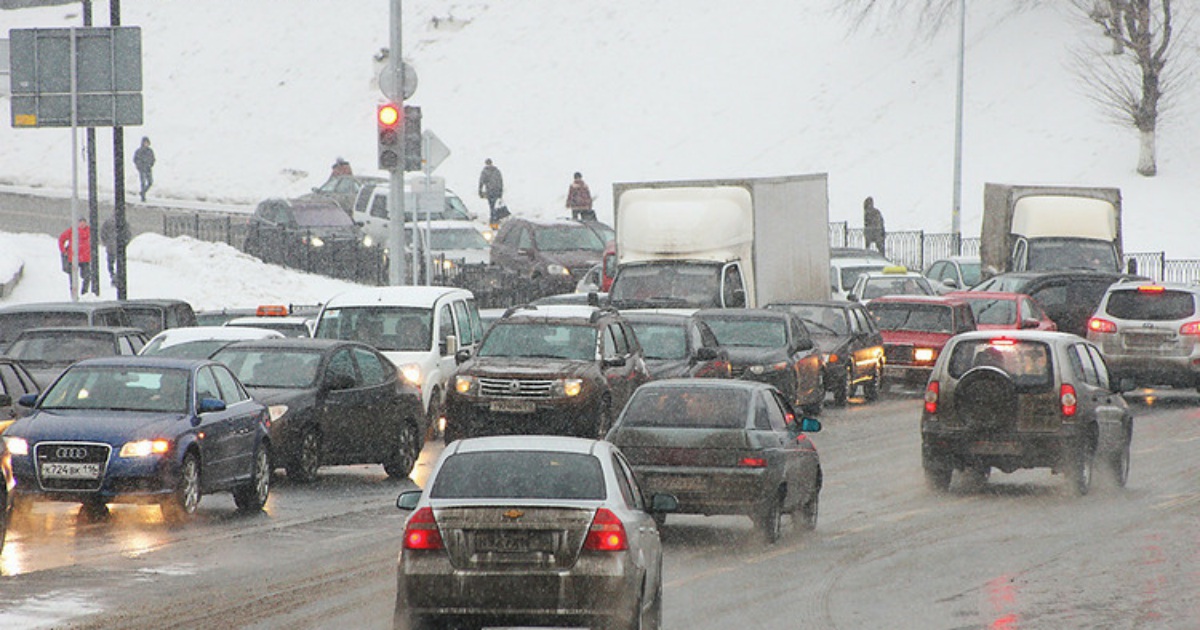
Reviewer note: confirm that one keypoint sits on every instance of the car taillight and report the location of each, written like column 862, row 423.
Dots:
column 752, row 462
column 607, row 533
column 1190, row 328
column 1066, row 398
column 421, row 532
column 931, row 397
column 715, row 369
column 1098, row 325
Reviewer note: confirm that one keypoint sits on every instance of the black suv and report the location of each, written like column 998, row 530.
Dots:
column 850, row 344
column 554, row 254
column 562, row 370
column 20, row 317
column 1068, row 297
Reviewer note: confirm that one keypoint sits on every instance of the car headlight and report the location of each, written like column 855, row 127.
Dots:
column 447, row 264
column 316, row 241
column 465, row 385
column 924, row 355
column 773, row 367
column 368, row 241
column 555, row 269
column 16, row 445
column 145, row 448
column 411, row 373
column 567, row 387
column 277, row 411
column 488, row 234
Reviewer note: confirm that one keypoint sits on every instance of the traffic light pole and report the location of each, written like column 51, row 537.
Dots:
column 396, row 275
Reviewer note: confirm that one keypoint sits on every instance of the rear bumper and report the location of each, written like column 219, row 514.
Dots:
column 1173, row 371
column 1006, row 451
column 710, row 491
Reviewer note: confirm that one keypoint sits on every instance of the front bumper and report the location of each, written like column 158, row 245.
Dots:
column 123, row 480
column 914, row 374
column 476, row 416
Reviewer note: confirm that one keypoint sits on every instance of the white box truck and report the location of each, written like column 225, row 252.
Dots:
column 1044, row 228
column 721, row 242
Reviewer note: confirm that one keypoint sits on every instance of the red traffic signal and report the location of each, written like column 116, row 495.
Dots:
column 388, row 119
column 388, row 115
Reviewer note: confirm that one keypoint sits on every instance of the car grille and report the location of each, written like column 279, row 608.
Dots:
column 898, row 354
column 515, row 387
column 71, row 453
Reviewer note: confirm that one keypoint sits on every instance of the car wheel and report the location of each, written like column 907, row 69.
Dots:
column 182, row 503
column 437, row 409
column 1079, row 466
column 252, row 496
column 408, row 449
column 770, row 521
column 937, row 476
column 977, row 476
column 304, row 464
column 872, row 387
column 1119, row 464
column 807, row 514
column 652, row 619
column 844, row 388
column 604, row 419
column 813, row 407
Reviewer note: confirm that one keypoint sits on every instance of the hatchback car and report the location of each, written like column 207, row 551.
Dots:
column 1069, row 297
column 851, row 345
column 142, row 430
column 723, row 447
column 294, row 232
column 892, row 280
column 46, row 352
column 554, row 254
column 15, row 318
column 677, row 346
column 564, row 370
column 915, row 328
column 955, row 273
column 1023, row 399
column 332, row 402
column 996, row 310
column 773, row 347
column 530, row 531
column 1150, row 332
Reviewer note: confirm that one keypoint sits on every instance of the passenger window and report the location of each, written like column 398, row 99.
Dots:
column 833, row 279
column 1101, row 367
column 126, row 348
column 341, row 365
column 731, row 285
column 206, row 384
column 364, row 195
column 466, row 335
column 379, row 207
column 626, row 484
column 138, row 342
column 445, row 324
column 476, row 324
column 524, row 240
column 231, row 392
column 610, row 344
column 762, row 419
column 775, row 414
column 9, row 382
column 370, row 367
column 622, row 345
column 1087, row 369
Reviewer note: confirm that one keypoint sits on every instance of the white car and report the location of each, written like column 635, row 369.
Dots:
column 843, row 271
column 955, row 273
column 891, row 280
column 200, row 342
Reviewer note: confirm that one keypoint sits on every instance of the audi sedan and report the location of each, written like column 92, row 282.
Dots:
column 141, row 430
column 521, row 530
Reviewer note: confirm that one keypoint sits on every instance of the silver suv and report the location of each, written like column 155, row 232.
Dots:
column 1150, row 332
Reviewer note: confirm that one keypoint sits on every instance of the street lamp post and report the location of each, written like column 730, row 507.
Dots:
column 956, row 212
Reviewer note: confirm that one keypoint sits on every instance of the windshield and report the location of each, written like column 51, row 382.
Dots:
column 972, row 273
column 916, row 317
column 901, row 285
column 61, row 347
column 679, row 285
column 751, row 333
column 520, row 475
column 321, row 216
column 148, row 319
column 568, row 237
column 120, row 388
column 688, row 408
column 662, row 341
column 1026, row 362
column 387, row 328
column 827, row 321
column 12, row 324
column 850, row 274
column 1049, row 254
column 993, row 311
column 284, row 369
column 576, row 342
column 464, row 238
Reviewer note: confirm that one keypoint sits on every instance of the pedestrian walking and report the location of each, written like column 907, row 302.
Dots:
column 84, row 247
column 873, row 230
column 579, row 200
column 341, row 168
column 108, row 238
column 143, row 159
column 491, row 187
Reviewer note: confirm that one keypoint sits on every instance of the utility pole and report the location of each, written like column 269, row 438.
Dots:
column 396, row 180
column 956, row 213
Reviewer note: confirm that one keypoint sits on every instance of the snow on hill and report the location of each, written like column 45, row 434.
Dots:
column 252, row 99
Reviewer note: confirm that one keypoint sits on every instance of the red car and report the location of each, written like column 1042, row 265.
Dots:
column 915, row 328
column 996, row 310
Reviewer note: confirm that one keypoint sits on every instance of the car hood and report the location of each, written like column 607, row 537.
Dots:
column 915, row 337
column 667, row 368
column 112, row 427
column 534, row 367
column 742, row 355
column 573, row 258
column 279, row 395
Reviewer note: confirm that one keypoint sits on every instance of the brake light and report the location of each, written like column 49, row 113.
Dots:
column 1098, row 325
column 1190, row 328
column 753, row 462
column 1151, row 288
column 717, row 369
column 931, row 397
column 607, row 533
column 1003, row 341
column 421, row 532
column 1066, row 398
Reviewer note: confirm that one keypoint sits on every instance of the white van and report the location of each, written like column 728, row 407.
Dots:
column 418, row 328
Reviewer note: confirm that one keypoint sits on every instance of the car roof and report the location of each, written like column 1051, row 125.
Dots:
column 68, row 307
column 855, row 252
column 917, row 299
column 882, row 273
column 297, row 320
column 852, row 261
column 154, row 302
column 821, row 303
column 172, row 336
column 708, row 383
column 418, row 297
column 112, row 330
column 978, row 295
column 135, row 360
column 1020, row 335
column 742, row 313
column 636, row 317
column 558, row 311
column 1189, row 287
column 295, row 343
column 549, row 443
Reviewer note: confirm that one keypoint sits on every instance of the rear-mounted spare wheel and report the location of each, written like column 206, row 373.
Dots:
column 986, row 400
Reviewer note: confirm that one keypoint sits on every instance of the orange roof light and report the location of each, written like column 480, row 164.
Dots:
column 271, row 310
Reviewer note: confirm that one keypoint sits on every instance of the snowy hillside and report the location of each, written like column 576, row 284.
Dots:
column 250, row 99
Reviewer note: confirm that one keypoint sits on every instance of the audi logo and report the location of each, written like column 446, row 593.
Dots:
column 71, row 452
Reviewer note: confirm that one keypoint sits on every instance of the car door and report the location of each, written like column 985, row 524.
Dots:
column 643, row 533
column 617, row 367
column 798, row 453
column 1110, row 408
column 445, row 327
column 246, row 417
column 220, row 444
column 380, row 415
column 807, row 361
column 343, row 409
column 770, row 429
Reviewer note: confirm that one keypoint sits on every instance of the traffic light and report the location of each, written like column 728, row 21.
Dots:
column 387, row 117
column 412, row 138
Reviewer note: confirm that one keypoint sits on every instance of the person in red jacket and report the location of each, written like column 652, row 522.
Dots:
column 579, row 200
column 85, row 253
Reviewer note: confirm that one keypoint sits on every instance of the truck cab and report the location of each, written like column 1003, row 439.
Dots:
column 1036, row 228
column 682, row 284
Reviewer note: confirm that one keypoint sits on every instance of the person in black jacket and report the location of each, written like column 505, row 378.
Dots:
column 143, row 159
column 491, row 187
column 873, row 230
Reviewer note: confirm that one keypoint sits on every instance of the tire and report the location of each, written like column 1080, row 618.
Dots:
column 814, row 408
column 252, row 496
column 1119, row 465
column 977, row 476
column 408, row 450
column 872, row 387
column 937, row 478
column 652, row 620
column 806, row 515
column 844, row 389
column 5, row 515
column 1079, row 466
column 302, row 467
column 602, row 423
column 770, row 521
column 986, row 400
column 182, row 503
column 437, row 409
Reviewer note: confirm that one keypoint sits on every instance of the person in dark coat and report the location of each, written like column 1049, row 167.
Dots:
column 143, row 159
column 491, row 187
column 108, row 238
column 85, row 253
column 341, row 168
column 873, row 230
column 579, row 199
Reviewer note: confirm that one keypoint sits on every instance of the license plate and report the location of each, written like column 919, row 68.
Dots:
column 53, row 470
column 685, row 484
column 512, row 541
column 996, row 448
column 513, row 406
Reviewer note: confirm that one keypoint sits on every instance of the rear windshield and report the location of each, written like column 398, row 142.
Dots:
column 519, row 475
column 662, row 341
column 750, row 333
column 12, row 324
column 1026, row 362
column 277, row 368
column 993, row 311
column 820, row 320
column 918, row 317
column 1161, row 306
column 61, row 347
column 688, row 408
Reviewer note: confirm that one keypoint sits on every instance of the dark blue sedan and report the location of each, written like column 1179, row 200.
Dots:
column 142, row 430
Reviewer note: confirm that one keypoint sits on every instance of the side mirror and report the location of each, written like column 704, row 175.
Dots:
column 810, row 425
column 1029, row 323
column 449, row 345
column 461, row 356
column 209, row 405
column 851, row 297
column 950, row 282
column 663, row 503
column 804, row 345
column 1126, row 384
column 614, row 362
column 706, row 353
column 408, row 500
column 28, row 400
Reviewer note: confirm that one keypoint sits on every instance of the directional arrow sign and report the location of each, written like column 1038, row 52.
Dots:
column 435, row 151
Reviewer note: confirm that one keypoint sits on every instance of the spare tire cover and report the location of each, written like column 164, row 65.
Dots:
column 986, row 400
